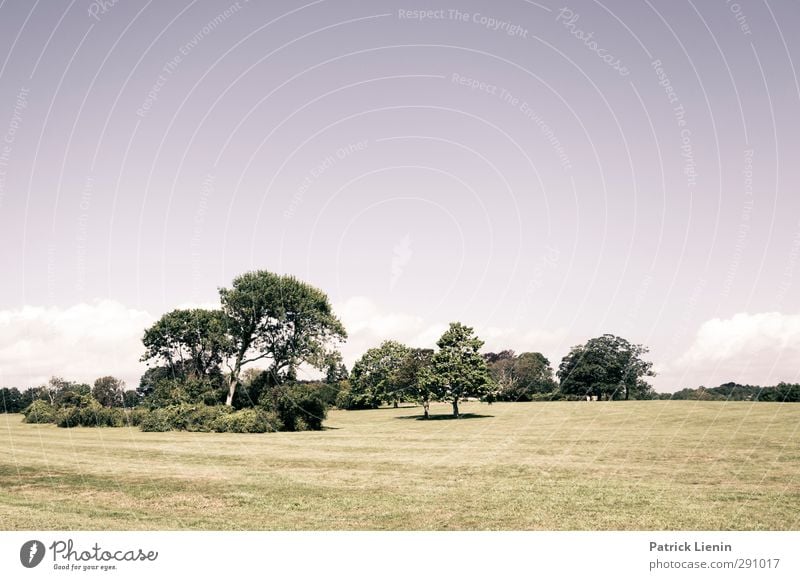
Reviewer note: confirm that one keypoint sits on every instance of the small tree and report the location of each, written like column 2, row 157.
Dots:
column 414, row 377
column 458, row 370
column 373, row 379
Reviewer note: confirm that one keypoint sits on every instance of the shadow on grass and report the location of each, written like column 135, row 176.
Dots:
column 446, row 417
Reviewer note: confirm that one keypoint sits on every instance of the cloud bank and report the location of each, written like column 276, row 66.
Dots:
column 81, row 343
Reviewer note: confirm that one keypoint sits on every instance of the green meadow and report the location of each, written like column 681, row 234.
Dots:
column 638, row 465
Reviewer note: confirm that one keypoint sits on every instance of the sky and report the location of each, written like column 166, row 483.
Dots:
column 543, row 172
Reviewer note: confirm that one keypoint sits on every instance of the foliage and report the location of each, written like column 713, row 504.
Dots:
column 151, row 377
column 61, row 392
column 278, row 318
column 246, row 421
column 134, row 417
column 13, row 401
column 335, row 369
column 608, row 367
column 353, row 400
column 457, row 370
column 191, row 343
column 298, row 407
column 184, row 417
column 169, row 392
column 555, row 396
column 89, row 414
column 520, row 378
column 780, row 393
column 254, row 383
column 108, row 391
column 414, row 377
column 39, row 412
column 131, row 399
column 373, row 380
column 204, row 418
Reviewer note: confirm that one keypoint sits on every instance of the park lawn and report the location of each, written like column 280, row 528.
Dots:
column 654, row 465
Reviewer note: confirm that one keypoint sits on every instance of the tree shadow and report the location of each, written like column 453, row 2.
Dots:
column 447, row 417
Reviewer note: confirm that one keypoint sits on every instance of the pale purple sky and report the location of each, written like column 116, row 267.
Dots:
column 545, row 172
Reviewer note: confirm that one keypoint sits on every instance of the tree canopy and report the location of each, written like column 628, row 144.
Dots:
column 278, row 318
column 458, row 371
column 520, row 377
column 608, row 367
column 374, row 376
column 414, row 377
column 191, row 343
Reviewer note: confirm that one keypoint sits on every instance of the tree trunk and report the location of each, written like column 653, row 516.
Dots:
column 232, row 384
column 455, row 407
column 425, row 406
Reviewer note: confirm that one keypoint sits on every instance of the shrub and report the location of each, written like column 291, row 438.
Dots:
column 39, row 412
column 156, row 421
column 91, row 415
column 352, row 400
column 329, row 392
column 183, row 417
column 134, row 417
column 556, row 396
column 298, row 407
column 168, row 392
column 99, row 416
column 246, row 421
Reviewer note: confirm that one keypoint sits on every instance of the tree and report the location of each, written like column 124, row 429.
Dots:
column 151, row 377
column 131, row 399
column 11, row 400
column 373, row 379
column 108, row 391
column 192, row 343
column 520, row 377
column 279, row 318
column 335, row 369
column 458, row 370
column 608, row 367
column 414, row 377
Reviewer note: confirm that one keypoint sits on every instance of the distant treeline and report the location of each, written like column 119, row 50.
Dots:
column 780, row 393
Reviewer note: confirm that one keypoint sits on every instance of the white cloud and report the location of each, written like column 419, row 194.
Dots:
column 757, row 349
column 744, row 335
column 367, row 326
column 81, row 342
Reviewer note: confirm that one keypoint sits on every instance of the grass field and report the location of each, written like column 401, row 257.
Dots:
column 657, row 465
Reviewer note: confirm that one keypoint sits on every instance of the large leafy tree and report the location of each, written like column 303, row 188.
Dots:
column 374, row 376
column 457, row 369
column 280, row 319
column 608, row 367
column 190, row 343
